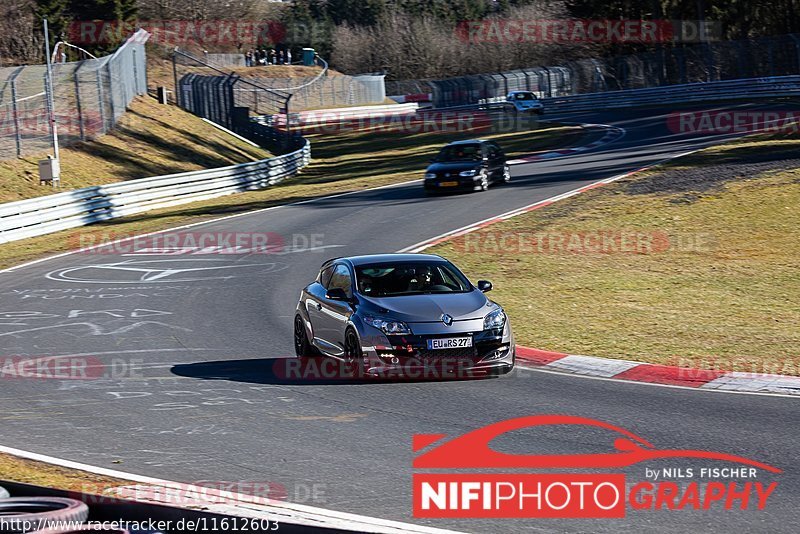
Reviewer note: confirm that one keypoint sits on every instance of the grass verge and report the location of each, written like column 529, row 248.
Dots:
column 149, row 140
column 13, row 468
column 345, row 162
column 692, row 264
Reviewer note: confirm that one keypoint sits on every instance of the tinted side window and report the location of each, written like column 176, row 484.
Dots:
column 325, row 276
column 341, row 278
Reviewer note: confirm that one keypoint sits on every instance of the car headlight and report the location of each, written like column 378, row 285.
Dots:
column 388, row 325
column 430, row 175
column 471, row 172
column 496, row 319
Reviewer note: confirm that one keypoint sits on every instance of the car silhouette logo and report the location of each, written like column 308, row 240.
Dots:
column 447, row 319
column 472, row 450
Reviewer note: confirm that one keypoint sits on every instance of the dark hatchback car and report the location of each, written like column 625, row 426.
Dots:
column 467, row 166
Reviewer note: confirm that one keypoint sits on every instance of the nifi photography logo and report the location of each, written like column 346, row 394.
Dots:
column 515, row 486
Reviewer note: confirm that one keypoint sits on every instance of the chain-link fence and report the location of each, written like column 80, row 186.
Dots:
column 266, row 95
column 218, row 60
column 408, row 87
column 201, row 86
column 464, row 90
column 230, row 101
column 89, row 97
column 335, row 90
column 705, row 62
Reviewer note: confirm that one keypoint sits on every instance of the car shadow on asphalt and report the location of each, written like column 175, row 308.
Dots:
column 304, row 372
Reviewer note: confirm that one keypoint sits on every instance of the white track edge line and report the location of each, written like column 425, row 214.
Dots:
column 324, row 514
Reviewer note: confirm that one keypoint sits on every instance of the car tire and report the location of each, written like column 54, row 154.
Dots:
column 302, row 346
column 4, row 493
column 352, row 346
column 352, row 355
column 484, row 183
column 40, row 512
column 506, row 173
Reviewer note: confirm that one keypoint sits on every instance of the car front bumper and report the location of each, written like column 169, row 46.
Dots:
column 462, row 183
column 407, row 356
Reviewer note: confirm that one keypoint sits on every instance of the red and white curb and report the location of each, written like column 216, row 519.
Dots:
column 658, row 374
column 613, row 134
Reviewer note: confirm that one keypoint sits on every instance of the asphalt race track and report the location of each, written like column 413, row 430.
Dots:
column 193, row 340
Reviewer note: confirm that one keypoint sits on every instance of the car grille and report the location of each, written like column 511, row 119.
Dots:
column 466, row 353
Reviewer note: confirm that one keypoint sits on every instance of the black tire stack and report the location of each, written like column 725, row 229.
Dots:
column 38, row 515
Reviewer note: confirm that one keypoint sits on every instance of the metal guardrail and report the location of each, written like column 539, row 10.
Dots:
column 325, row 116
column 52, row 213
column 745, row 89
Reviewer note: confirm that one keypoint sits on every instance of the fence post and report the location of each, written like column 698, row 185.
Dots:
column 178, row 96
column 101, row 99
column 14, row 111
column 50, row 101
column 796, row 40
column 111, row 93
column 78, row 101
column 135, row 73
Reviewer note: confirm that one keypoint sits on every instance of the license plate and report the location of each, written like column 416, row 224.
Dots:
column 449, row 343
column 448, row 184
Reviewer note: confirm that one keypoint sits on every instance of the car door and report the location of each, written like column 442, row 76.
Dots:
column 496, row 161
column 314, row 299
column 335, row 314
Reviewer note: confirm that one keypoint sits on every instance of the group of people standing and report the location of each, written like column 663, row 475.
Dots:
column 261, row 56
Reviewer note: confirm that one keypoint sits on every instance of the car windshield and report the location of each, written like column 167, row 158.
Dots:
column 410, row 278
column 524, row 96
column 470, row 152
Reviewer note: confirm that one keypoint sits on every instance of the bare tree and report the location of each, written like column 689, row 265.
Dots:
column 424, row 47
column 20, row 37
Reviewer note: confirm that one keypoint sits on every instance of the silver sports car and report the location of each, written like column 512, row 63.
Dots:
column 412, row 315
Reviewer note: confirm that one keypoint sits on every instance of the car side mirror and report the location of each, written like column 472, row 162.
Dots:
column 484, row 285
column 336, row 293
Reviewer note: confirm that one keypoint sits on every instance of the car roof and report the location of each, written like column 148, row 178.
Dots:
column 384, row 258
column 468, row 142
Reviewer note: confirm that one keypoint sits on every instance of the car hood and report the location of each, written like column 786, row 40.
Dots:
column 456, row 166
column 528, row 103
column 429, row 308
